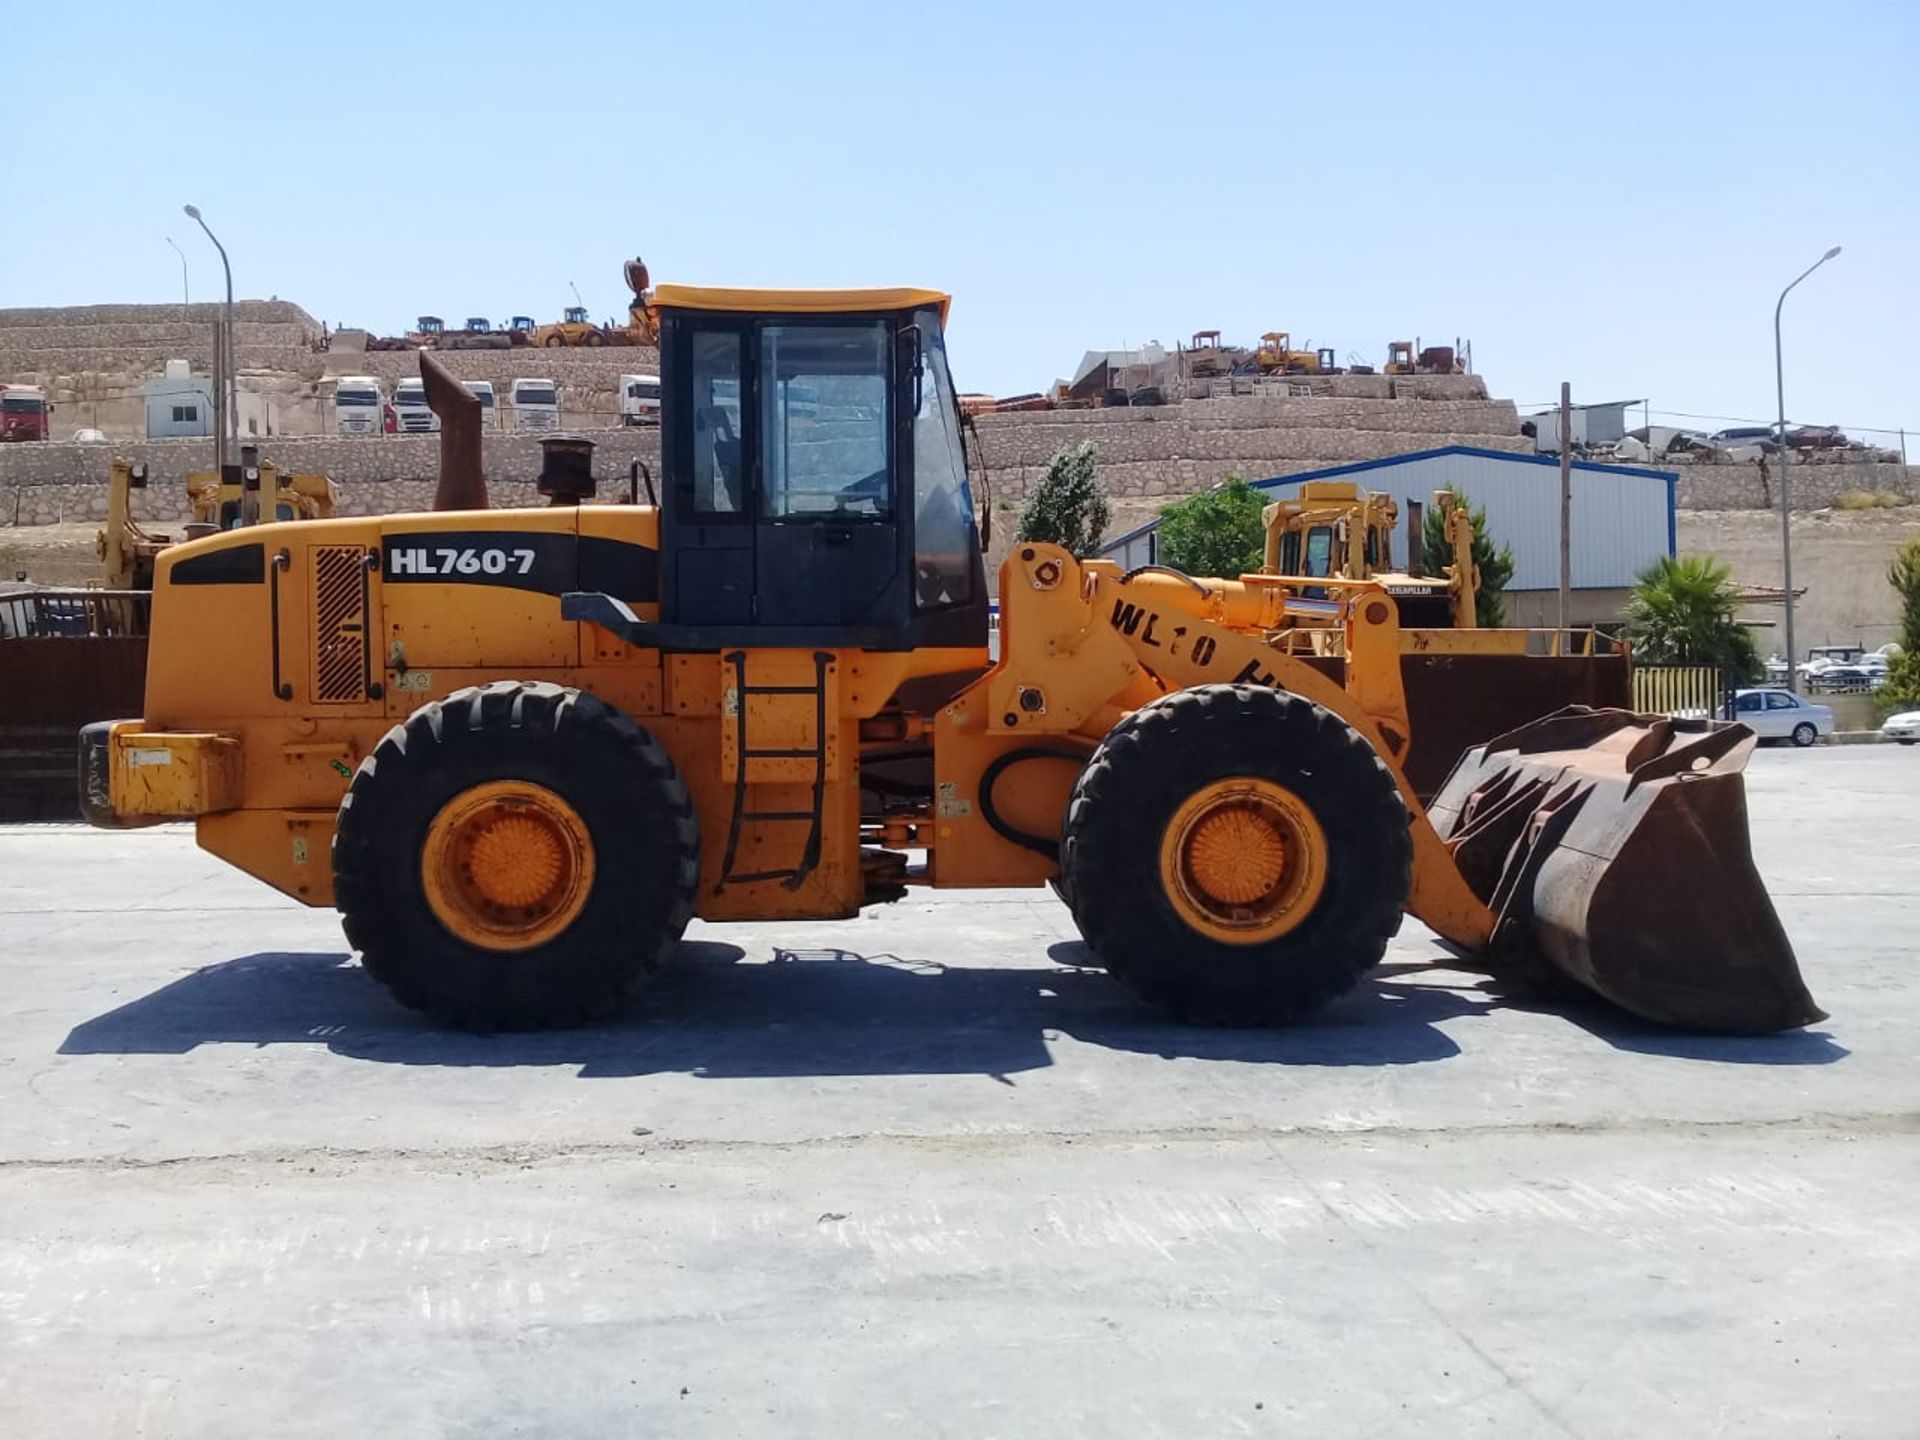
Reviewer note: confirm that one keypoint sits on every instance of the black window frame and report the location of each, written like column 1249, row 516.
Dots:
column 679, row 429
column 890, row 423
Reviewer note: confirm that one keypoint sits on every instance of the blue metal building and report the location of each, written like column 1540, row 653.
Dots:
column 1623, row 519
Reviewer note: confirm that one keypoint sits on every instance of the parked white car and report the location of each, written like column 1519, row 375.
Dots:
column 1904, row 727
column 1782, row 715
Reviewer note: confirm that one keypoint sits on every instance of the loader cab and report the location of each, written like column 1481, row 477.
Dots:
column 815, row 482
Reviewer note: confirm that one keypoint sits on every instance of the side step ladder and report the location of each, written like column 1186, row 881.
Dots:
column 793, row 708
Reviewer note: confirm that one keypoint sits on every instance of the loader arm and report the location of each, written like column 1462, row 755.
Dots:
column 1083, row 640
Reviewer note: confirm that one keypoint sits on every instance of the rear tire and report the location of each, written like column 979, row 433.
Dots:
column 1804, row 734
column 516, row 856
column 1163, row 849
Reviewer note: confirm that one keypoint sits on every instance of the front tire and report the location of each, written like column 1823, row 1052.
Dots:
column 1804, row 734
column 514, row 857
column 1237, row 855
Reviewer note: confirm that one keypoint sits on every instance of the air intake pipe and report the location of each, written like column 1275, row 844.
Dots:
column 462, row 486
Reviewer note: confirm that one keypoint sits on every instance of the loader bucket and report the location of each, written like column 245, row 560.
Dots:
column 1613, row 847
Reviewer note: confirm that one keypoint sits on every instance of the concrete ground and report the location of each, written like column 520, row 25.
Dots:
column 918, row 1175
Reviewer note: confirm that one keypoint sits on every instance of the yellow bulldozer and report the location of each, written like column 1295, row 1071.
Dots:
column 127, row 549
column 219, row 502
column 1332, row 528
column 519, row 749
column 1276, row 356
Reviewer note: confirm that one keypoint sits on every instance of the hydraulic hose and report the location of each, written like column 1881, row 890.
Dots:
column 1039, row 844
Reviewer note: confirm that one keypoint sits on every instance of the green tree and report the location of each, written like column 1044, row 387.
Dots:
column 1681, row 613
column 1902, row 688
column 1068, row 506
column 1495, row 566
column 1216, row 532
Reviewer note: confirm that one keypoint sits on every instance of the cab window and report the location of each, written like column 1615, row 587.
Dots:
column 825, row 421
column 1748, row 704
column 1777, row 700
column 1319, row 550
column 942, row 500
column 719, row 475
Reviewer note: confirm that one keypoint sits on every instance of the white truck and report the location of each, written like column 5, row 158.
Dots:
column 482, row 390
column 536, row 405
column 639, row 399
column 357, row 405
column 410, row 408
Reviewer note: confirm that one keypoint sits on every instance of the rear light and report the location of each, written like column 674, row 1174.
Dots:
column 389, row 420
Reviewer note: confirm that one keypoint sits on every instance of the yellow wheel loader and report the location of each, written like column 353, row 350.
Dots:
column 520, row 749
column 573, row 328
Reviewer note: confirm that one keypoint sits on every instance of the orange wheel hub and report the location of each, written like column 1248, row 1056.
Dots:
column 507, row 865
column 1243, row 861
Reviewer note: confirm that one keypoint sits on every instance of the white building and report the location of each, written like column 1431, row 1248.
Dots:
column 179, row 402
column 1604, row 423
column 1623, row 520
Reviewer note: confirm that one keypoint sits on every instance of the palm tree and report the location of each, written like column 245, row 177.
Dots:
column 1681, row 613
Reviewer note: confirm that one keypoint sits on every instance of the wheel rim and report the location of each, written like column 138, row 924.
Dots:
column 508, row 865
column 1243, row 861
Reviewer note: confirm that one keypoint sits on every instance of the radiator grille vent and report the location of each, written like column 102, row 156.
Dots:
column 340, row 623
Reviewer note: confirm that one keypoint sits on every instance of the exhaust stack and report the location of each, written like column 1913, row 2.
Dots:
column 462, row 484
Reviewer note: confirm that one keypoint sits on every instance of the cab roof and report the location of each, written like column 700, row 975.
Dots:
column 798, row 302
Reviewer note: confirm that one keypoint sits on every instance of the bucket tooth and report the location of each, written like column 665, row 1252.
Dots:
column 1613, row 847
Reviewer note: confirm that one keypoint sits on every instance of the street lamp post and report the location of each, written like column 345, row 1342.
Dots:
column 225, row 386
column 1786, row 512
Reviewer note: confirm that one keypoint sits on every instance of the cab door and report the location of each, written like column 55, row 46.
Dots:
column 709, row 534
column 827, row 532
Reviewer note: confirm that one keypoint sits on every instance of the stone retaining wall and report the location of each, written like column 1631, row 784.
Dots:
column 50, row 484
column 1814, row 485
column 597, row 369
column 56, row 317
column 127, row 341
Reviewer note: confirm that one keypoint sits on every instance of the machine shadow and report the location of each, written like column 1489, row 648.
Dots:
column 807, row 1013
column 1630, row 1033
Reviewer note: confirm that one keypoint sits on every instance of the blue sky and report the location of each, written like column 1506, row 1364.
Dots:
column 1607, row 194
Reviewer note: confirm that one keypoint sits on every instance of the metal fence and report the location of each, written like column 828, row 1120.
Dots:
column 44, row 613
column 1677, row 689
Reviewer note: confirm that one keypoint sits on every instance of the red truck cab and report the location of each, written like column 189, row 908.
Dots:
column 23, row 412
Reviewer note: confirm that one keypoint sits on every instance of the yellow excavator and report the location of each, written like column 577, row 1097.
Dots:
column 519, row 749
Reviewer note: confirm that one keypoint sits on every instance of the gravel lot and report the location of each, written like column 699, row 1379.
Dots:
column 918, row 1174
